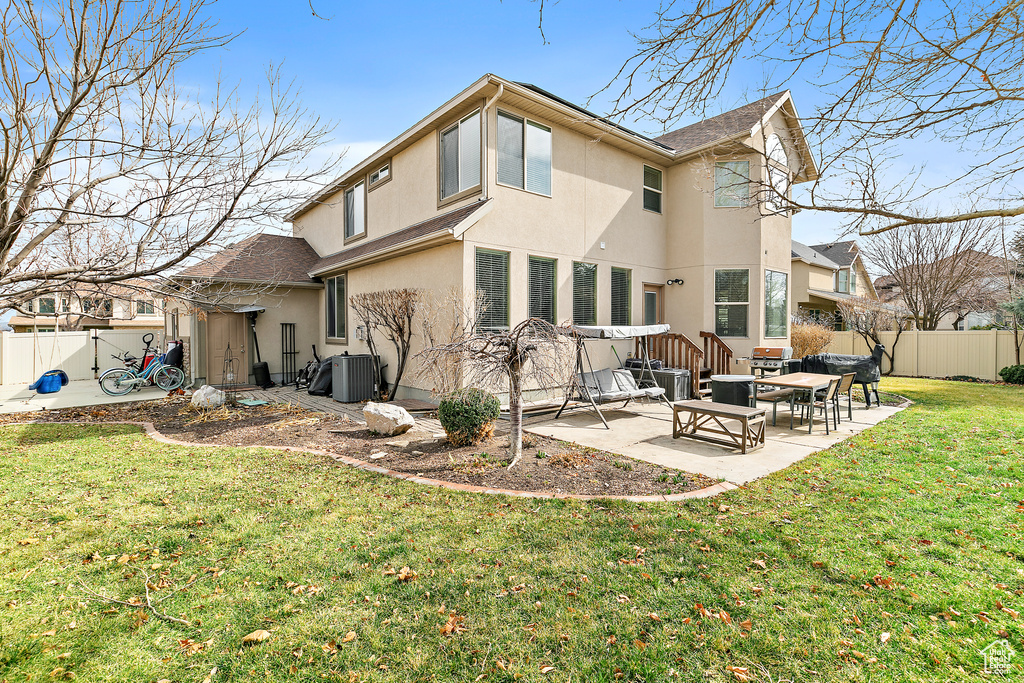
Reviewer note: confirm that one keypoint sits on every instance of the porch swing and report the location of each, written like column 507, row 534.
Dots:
column 607, row 385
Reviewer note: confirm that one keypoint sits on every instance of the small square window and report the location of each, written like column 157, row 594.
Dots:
column 380, row 175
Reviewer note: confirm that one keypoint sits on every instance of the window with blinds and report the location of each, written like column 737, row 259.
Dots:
column 335, row 307
column 584, row 293
column 542, row 273
column 652, row 189
column 620, row 296
column 524, row 154
column 460, row 156
column 776, row 303
column 355, row 210
column 492, row 282
column 732, row 298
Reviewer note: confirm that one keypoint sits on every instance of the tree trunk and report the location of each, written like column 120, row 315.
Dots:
column 515, row 414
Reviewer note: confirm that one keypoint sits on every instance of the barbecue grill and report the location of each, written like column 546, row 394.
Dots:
column 770, row 358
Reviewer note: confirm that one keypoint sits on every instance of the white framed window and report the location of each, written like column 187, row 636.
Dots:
column 380, row 175
column 584, row 293
column 621, row 296
column 355, row 210
column 47, row 304
column 778, row 173
column 776, row 303
column 336, row 307
column 460, row 156
column 524, row 154
column 542, row 283
column 843, row 281
column 732, row 301
column 492, row 281
column 652, row 189
column 145, row 307
column 732, row 184
column 65, row 305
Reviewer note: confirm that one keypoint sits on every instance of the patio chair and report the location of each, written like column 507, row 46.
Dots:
column 775, row 397
column 602, row 387
column 825, row 401
column 845, row 387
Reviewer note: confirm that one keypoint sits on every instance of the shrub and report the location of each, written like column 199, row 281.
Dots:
column 809, row 338
column 468, row 416
column 1013, row 374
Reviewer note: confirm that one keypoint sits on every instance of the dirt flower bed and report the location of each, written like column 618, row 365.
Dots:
column 547, row 464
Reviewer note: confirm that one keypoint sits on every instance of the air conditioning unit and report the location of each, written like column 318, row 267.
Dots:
column 352, row 378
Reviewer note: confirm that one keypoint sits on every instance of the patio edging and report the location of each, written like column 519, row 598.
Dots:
column 152, row 432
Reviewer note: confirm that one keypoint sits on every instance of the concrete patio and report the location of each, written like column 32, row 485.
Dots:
column 644, row 432
column 18, row 398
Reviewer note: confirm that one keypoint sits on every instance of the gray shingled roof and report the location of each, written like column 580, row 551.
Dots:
column 843, row 253
column 739, row 120
column 260, row 258
column 808, row 254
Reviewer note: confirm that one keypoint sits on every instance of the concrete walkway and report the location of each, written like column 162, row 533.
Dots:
column 644, row 432
column 17, row 398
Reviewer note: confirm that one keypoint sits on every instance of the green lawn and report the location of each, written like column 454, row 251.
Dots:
column 895, row 556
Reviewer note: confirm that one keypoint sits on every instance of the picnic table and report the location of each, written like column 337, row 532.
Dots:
column 707, row 416
column 802, row 382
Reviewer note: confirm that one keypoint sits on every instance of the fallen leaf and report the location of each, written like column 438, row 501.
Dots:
column 257, row 636
column 28, row 541
column 406, row 574
column 546, row 668
column 741, row 673
column 885, row 637
column 760, row 563
column 349, row 637
column 453, row 625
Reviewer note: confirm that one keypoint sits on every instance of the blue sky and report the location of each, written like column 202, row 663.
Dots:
column 377, row 68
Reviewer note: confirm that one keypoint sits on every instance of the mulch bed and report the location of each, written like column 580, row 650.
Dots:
column 547, row 464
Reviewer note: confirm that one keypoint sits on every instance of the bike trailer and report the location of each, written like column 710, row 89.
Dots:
column 50, row 382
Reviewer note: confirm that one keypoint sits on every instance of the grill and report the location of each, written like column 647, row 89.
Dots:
column 770, row 358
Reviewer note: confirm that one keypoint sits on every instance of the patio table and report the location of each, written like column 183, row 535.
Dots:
column 798, row 381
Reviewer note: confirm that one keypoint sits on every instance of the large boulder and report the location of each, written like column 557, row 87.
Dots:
column 208, row 397
column 384, row 418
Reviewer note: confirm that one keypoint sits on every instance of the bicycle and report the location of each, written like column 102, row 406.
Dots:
column 121, row 381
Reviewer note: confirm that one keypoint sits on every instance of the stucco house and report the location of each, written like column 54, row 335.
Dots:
column 555, row 213
column 824, row 275
column 127, row 306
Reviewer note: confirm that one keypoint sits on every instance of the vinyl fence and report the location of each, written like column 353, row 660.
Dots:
column 24, row 356
column 978, row 353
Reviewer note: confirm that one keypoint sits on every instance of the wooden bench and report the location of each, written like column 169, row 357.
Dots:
column 703, row 415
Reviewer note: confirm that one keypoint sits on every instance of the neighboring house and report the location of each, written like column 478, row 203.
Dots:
column 264, row 276
column 555, row 213
column 976, row 303
column 824, row 275
column 88, row 307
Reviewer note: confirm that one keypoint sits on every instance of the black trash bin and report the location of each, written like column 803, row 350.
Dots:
column 737, row 390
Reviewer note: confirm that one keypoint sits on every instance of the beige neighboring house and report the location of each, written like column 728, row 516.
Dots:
column 110, row 307
column 824, row 275
column 555, row 213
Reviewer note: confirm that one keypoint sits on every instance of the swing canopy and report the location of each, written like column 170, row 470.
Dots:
column 613, row 331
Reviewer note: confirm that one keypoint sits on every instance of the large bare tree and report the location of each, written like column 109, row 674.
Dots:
column 111, row 169
column 885, row 74
column 940, row 270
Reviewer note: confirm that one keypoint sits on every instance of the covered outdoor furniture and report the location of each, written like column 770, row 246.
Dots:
column 607, row 386
column 706, row 417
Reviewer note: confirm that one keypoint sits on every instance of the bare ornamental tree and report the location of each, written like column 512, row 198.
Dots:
column 940, row 270
column 533, row 354
column 390, row 312
column 943, row 75
column 110, row 170
column 870, row 318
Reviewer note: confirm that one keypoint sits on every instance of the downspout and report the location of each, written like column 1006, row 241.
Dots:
column 486, row 137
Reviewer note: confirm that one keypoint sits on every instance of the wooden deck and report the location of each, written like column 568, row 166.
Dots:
column 326, row 404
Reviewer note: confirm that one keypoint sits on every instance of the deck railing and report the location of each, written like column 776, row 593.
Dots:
column 675, row 350
column 717, row 354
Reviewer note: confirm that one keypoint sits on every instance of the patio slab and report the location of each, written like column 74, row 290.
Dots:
column 644, row 432
column 17, row 398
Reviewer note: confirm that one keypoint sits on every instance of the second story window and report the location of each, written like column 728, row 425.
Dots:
column 355, row 210
column 843, row 281
column 380, row 175
column 652, row 189
column 460, row 156
column 145, row 307
column 524, row 154
column 732, row 184
column 65, row 305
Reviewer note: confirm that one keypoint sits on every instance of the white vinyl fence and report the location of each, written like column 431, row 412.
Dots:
column 25, row 356
column 978, row 353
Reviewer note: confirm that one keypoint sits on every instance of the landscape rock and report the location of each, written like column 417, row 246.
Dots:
column 378, row 455
column 398, row 444
column 208, row 397
column 386, row 419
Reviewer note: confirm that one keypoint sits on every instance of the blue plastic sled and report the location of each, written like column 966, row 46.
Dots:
column 50, row 382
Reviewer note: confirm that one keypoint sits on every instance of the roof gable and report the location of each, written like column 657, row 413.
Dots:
column 740, row 120
column 263, row 257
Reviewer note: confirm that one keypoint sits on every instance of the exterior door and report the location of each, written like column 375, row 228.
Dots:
column 223, row 329
column 654, row 304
